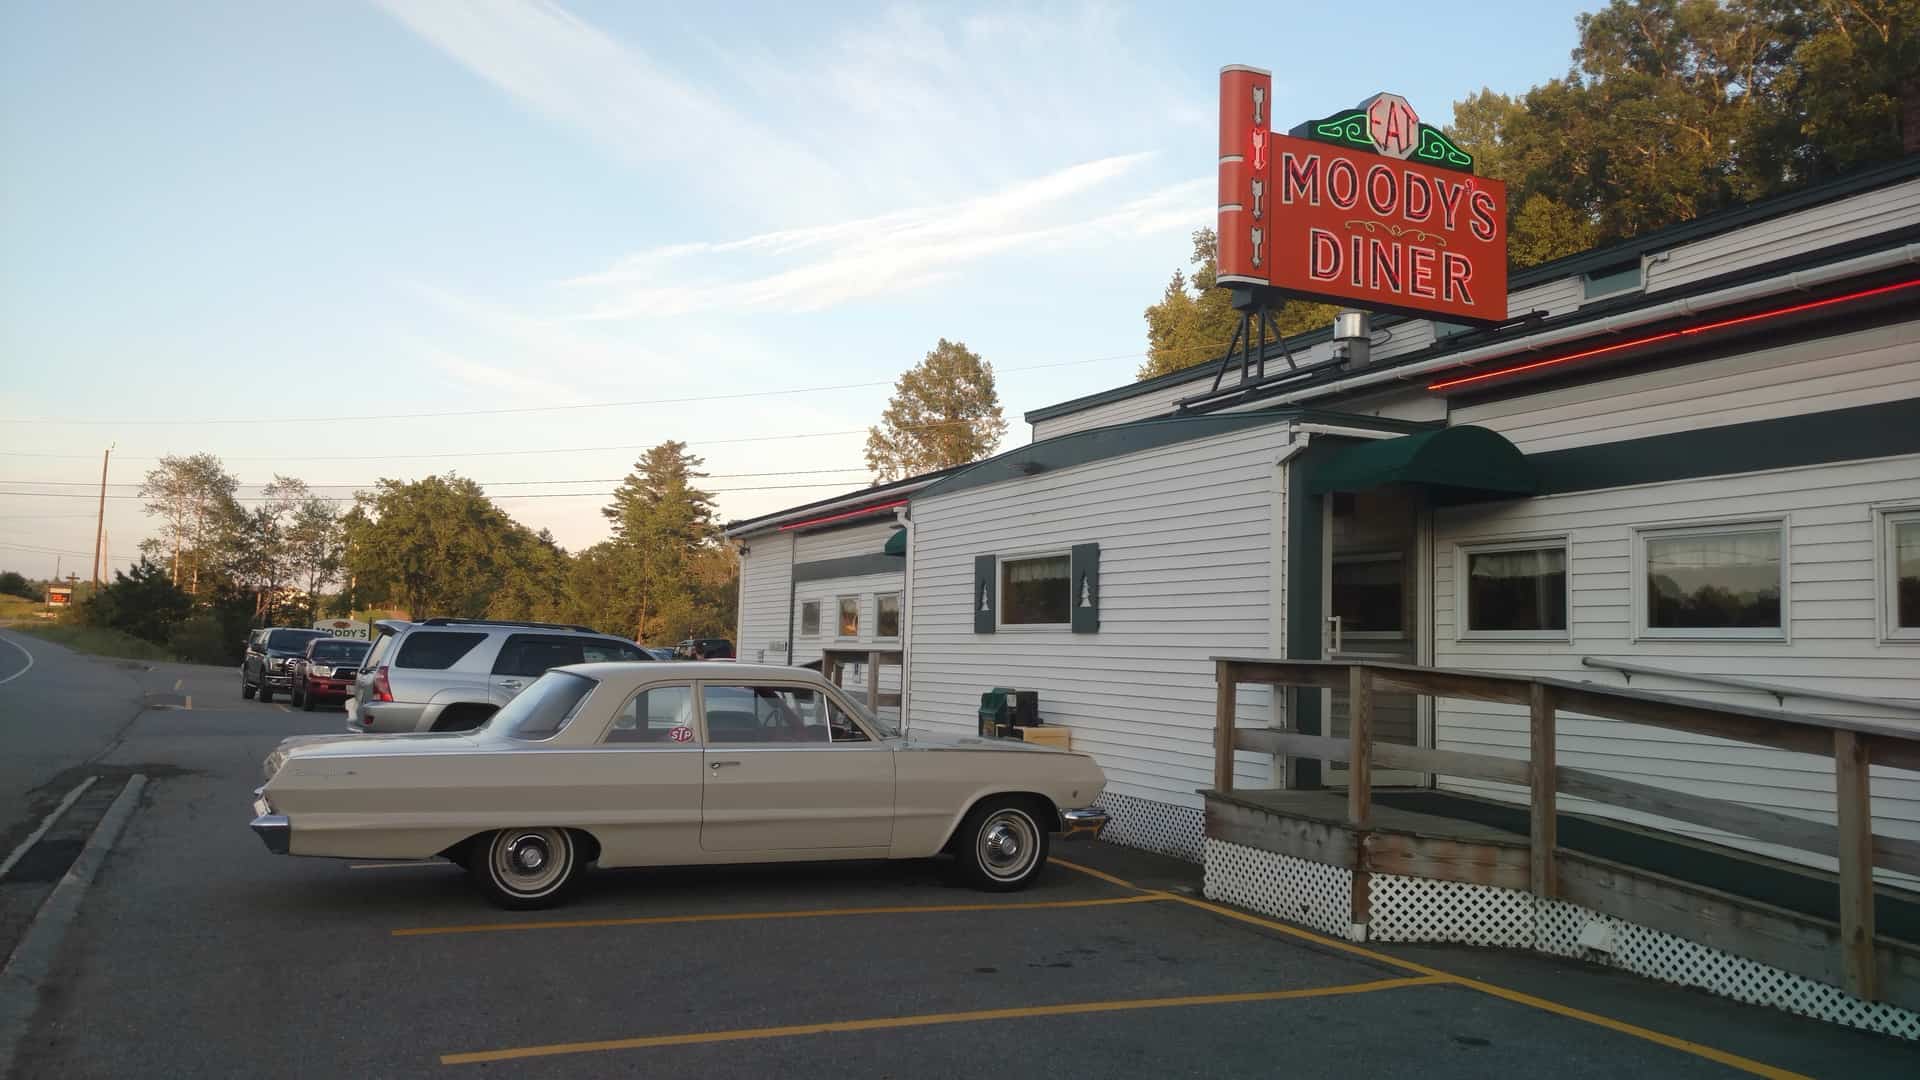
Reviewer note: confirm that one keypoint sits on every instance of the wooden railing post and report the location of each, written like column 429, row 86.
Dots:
column 873, row 681
column 1541, row 771
column 1856, row 862
column 1360, row 732
column 1226, row 696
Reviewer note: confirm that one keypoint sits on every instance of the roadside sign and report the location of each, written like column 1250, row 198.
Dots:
column 343, row 628
column 59, row 596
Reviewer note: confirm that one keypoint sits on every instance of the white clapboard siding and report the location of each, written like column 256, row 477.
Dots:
column 1832, row 589
column 1186, row 545
column 866, row 538
column 765, row 577
column 1880, row 211
column 1865, row 367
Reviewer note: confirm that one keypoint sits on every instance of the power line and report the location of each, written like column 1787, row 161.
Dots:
column 538, row 495
column 514, row 411
column 483, row 483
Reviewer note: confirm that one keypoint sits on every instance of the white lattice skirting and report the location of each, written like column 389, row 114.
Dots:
column 1318, row 896
column 1153, row 826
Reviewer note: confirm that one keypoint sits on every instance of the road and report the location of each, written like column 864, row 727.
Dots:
column 197, row 953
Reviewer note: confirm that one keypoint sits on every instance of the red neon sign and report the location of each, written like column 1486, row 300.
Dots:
column 1668, row 335
column 843, row 516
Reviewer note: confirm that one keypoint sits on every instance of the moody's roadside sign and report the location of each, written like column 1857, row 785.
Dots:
column 346, row 628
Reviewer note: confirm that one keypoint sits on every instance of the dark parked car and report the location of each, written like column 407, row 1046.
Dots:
column 324, row 674
column 268, row 652
column 704, row 648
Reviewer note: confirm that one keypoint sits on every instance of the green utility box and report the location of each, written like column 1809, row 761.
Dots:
column 996, row 713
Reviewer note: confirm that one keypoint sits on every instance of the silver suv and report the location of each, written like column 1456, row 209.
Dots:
column 451, row 674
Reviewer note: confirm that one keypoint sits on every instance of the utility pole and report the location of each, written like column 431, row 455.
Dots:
column 100, row 521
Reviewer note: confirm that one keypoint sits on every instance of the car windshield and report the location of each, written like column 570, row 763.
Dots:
column 291, row 640
column 340, row 651
column 886, row 728
column 541, row 710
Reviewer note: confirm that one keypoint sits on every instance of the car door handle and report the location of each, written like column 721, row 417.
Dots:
column 512, row 684
column 715, row 766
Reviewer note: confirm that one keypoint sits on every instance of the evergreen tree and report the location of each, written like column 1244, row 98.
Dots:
column 944, row 412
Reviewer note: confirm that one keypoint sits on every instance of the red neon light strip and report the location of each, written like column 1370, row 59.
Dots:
column 1670, row 334
column 842, row 517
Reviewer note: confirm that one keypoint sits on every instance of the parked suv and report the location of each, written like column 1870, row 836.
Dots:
column 451, row 674
column 704, row 648
column 264, row 670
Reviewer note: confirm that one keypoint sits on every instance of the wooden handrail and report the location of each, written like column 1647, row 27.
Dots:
column 1852, row 744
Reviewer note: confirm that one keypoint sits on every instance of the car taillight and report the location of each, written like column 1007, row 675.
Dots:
column 381, row 690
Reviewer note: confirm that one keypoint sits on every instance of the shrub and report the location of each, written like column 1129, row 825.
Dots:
column 201, row 640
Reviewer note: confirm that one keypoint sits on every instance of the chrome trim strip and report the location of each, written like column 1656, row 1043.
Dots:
column 1088, row 820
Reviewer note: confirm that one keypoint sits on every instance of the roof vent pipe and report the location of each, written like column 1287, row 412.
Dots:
column 1352, row 343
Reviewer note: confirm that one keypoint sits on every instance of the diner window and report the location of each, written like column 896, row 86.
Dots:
column 1036, row 592
column 810, row 619
column 1901, row 541
column 849, row 616
column 1516, row 590
column 1369, row 594
column 1717, row 581
column 662, row 714
column 886, row 615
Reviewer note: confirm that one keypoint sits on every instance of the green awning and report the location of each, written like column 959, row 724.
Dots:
column 896, row 544
column 1461, row 459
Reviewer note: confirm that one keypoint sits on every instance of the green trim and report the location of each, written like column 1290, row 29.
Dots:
column 1099, row 444
column 1866, row 431
column 1345, row 128
column 1438, row 150
column 896, row 542
column 1305, row 533
column 848, row 566
column 1464, row 458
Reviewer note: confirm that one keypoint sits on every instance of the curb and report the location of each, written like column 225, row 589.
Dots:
column 27, row 970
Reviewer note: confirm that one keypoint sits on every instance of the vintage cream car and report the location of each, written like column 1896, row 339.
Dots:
column 666, row 764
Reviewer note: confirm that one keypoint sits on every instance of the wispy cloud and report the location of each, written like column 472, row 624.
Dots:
column 821, row 267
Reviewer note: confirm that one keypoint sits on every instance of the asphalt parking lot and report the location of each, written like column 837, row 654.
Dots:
column 197, row 953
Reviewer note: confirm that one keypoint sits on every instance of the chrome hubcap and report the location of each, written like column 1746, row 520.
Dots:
column 531, row 862
column 1008, row 842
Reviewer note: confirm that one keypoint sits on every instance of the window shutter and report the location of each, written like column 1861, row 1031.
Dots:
column 1086, row 588
column 985, row 603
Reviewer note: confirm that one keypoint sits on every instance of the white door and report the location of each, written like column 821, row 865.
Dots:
column 1372, row 587
column 789, row 770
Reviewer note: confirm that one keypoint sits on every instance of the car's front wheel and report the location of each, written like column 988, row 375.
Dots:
column 306, row 698
column 1002, row 844
column 246, row 689
column 520, row 869
column 266, row 695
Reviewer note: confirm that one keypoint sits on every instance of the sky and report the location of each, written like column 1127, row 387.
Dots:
column 524, row 241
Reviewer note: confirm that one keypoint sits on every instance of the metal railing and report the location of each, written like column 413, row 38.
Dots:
column 1780, row 693
column 1852, row 744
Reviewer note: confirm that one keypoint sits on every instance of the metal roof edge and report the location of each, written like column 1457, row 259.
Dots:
column 852, row 498
column 1733, row 217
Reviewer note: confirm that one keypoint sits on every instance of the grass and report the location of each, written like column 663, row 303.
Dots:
column 96, row 640
column 14, row 607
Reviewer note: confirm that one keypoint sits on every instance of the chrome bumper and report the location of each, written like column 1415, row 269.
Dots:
column 273, row 829
column 1086, row 820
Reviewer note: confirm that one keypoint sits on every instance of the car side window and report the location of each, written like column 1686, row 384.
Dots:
column 775, row 714
column 436, row 650
column 594, row 650
column 379, row 650
column 534, row 654
column 662, row 715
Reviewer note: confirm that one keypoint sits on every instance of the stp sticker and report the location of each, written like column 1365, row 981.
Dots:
column 681, row 734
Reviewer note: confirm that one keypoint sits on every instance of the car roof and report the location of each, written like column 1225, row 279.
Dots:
column 630, row 673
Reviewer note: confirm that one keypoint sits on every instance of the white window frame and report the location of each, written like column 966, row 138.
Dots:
column 1642, row 611
column 1462, row 618
column 898, row 613
column 815, row 605
column 839, row 606
column 1887, row 573
column 1001, row 562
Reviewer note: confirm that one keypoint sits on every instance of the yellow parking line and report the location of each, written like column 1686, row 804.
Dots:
column 1685, row 1046
column 804, row 913
column 284, row 708
column 883, row 1023
column 179, row 683
column 189, row 702
column 1091, row 872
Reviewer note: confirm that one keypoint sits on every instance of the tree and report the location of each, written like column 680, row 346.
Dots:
column 14, row 583
column 436, row 545
column 315, row 542
column 944, row 412
column 142, row 601
column 665, row 539
column 193, row 497
column 1189, row 327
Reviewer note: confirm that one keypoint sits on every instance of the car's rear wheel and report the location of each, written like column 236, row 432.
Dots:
column 520, row 869
column 1002, row 844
